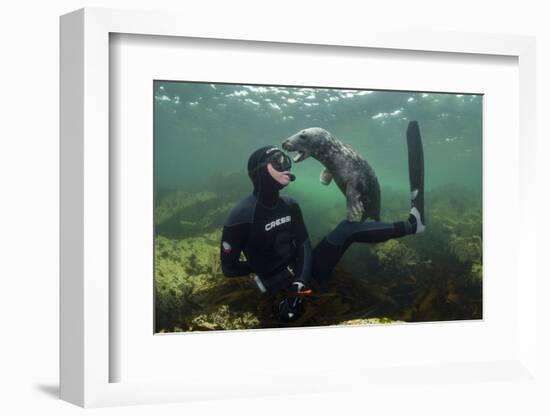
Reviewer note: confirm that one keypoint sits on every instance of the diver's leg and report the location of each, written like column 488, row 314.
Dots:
column 324, row 259
column 332, row 247
column 348, row 232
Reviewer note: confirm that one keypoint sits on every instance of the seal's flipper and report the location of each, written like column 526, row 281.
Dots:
column 416, row 173
column 326, row 177
column 355, row 207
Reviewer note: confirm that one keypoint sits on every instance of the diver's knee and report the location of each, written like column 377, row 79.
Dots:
column 341, row 233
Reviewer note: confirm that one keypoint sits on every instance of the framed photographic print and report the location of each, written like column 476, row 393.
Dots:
column 204, row 134
column 227, row 199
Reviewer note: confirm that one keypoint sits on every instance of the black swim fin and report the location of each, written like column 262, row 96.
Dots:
column 416, row 171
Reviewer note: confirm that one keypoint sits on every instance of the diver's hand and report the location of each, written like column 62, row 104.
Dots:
column 292, row 307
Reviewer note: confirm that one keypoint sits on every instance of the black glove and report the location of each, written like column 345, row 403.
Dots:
column 292, row 307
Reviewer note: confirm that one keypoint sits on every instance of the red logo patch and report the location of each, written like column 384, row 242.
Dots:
column 226, row 247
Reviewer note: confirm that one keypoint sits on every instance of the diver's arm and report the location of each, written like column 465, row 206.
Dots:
column 303, row 261
column 291, row 307
column 232, row 244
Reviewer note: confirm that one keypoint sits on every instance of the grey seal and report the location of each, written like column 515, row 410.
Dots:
column 352, row 174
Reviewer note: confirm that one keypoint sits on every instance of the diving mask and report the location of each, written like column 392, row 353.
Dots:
column 280, row 162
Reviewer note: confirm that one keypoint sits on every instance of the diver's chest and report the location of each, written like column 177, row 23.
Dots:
column 269, row 223
column 278, row 223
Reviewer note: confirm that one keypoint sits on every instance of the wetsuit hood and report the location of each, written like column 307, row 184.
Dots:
column 266, row 188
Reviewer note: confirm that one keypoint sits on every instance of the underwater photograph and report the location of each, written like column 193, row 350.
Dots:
column 285, row 206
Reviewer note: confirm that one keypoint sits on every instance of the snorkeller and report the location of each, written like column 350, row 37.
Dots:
column 269, row 229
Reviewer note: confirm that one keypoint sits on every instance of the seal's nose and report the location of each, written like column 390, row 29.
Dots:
column 285, row 145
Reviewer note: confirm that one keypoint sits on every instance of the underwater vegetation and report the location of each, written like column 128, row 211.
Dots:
column 433, row 276
column 204, row 131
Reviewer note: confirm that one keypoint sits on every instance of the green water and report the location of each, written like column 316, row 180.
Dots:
column 204, row 134
column 197, row 126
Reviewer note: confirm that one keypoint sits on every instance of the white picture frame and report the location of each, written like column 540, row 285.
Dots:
column 85, row 355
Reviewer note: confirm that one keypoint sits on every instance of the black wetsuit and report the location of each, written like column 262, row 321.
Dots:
column 270, row 231
column 272, row 238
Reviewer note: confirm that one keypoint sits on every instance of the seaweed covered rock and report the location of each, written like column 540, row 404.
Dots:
column 371, row 321
column 395, row 258
column 192, row 294
column 433, row 276
column 171, row 203
column 183, row 268
column 224, row 318
column 183, row 214
column 458, row 215
column 428, row 277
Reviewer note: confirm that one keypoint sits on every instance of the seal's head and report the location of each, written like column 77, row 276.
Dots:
column 269, row 167
column 308, row 142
